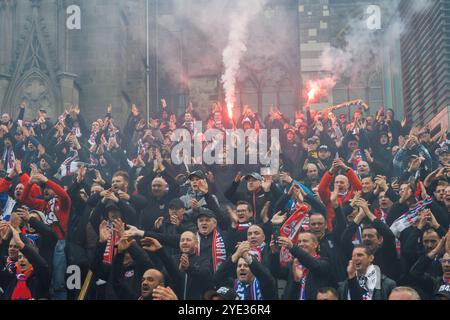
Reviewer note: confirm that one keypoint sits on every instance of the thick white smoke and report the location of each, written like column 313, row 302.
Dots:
column 363, row 48
column 237, row 46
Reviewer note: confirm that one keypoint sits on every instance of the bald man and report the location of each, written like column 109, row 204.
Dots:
column 346, row 186
column 190, row 273
column 159, row 188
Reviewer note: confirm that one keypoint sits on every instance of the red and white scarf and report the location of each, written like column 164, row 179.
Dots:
column 291, row 229
column 305, row 272
column 219, row 253
column 110, row 250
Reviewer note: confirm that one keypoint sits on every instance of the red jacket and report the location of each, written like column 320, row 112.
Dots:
column 5, row 185
column 325, row 193
column 61, row 207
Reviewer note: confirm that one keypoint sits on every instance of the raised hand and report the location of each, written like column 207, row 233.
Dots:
column 351, row 269
column 238, row 178
column 150, row 244
column 285, row 242
column 166, row 294
column 203, row 186
column 265, row 212
column 24, row 214
column 158, row 223
column 297, row 270
column 104, row 232
column 184, row 262
column 233, row 217
column 124, row 244
column 278, row 218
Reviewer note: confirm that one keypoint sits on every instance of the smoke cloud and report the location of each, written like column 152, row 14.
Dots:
column 363, row 48
column 237, row 46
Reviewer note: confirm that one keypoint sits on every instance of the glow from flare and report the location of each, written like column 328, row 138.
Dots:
column 230, row 110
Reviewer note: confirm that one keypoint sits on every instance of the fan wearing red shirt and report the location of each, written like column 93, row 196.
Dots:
column 346, row 186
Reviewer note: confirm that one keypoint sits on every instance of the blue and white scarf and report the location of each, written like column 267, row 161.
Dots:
column 255, row 290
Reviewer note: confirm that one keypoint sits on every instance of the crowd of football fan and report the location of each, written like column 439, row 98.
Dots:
column 359, row 209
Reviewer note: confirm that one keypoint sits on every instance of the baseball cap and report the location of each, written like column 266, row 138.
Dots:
column 224, row 292
column 176, row 204
column 198, row 174
column 323, row 147
column 253, row 175
column 204, row 212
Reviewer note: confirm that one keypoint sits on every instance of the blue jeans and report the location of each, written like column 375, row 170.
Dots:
column 59, row 271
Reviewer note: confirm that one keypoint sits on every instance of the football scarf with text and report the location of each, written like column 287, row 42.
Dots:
column 292, row 227
column 219, row 253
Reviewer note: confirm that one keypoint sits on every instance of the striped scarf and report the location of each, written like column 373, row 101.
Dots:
column 410, row 217
column 257, row 252
column 242, row 292
column 219, row 253
column 67, row 169
column 291, row 228
column 110, row 250
column 304, row 278
column 9, row 158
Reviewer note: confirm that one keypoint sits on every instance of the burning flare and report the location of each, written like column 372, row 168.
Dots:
column 230, row 110
column 319, row 88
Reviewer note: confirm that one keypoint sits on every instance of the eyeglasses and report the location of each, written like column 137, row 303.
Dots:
column 444, row 261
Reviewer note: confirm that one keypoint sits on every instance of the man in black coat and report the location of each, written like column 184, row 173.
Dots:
column 365, row 280
column 190, row 273
column 247, row 275
column 307, row 273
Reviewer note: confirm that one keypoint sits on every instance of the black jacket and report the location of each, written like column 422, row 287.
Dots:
column 385, row 256
column 127, row 282
column 356, row 292
column 226, row 275
column 192, row 283
column 428, row 283
column 257, row 199
column 319, row 274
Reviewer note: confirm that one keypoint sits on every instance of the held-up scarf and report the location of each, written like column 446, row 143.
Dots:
column 219, row 253
column 257, row 251
column 110, row 250
column 291, row 228
column 304, row 277
column 410, row 217
column 67, row 169
column 255, row 290
column 369, row 282
column 21, row 291
column 9, row 158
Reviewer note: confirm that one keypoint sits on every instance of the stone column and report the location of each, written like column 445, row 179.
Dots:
column 7, row 8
